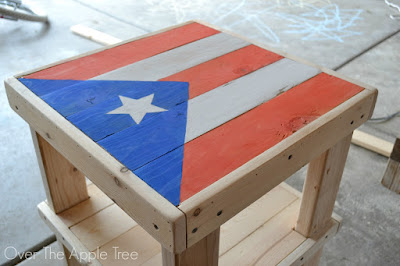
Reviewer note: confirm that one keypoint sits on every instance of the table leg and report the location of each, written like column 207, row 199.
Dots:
column 204, row 252
column 320, row 190
column 391, row 177
column 64, row 184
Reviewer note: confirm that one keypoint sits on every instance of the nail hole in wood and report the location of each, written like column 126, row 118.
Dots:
column 362, row 116
column 326, row 236
column 302, row 258
column 290, row 157
column 194, row 230
column 219, row 213
column 155, row 227
column 352, row 122
column 16, row 107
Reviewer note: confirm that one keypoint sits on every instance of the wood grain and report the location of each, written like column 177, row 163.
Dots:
column 204, row 252
column 320, row 189
column 64, row 184
column 137, row 199
column 249, row 182
column 124, row 54
column 216, row 72
column 176, row 60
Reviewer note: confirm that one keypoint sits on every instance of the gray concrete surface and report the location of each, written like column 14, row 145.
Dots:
column 330, row 33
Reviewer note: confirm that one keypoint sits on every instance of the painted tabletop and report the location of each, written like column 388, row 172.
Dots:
column 184, row 107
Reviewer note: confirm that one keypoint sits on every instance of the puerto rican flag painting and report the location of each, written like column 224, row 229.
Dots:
column 183, row 108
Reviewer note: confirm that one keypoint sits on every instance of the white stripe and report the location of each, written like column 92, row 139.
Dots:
column 215, row 107
column 176, row 60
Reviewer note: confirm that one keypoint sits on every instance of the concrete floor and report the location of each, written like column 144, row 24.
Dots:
column 356, row 37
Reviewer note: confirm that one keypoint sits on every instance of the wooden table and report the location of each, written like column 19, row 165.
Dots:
column 180, row 131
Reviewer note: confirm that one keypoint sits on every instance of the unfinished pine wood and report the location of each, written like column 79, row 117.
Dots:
column 64, row 235
column 103, row 227
column 248, row 251
column 372, row 143
column 94, row 35
column 71, row 260
column 204, row 252
column 321, row 187
column 247, row 183
column 314, row 260
column 281, row 250
column 254, row 216
column 96, row 202
column 305, row 251
column 391, row 177
column 270, row 239
column 137, row 242
column 64, row 184
column 141, row 202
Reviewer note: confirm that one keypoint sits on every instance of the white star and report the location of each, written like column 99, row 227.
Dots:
column 137, row 109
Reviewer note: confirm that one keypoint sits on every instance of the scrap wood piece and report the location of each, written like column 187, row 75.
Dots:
column 391, row 177
column 372, row 143
column 94, row 35
column 360, row 138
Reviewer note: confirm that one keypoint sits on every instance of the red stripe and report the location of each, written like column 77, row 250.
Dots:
column 222, row 150
column 218, row 71
column 99, row 63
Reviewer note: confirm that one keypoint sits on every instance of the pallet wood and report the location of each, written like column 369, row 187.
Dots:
column 104, row 61
column 176, row 60
column 372, row 143
column 174, row 233
column 64, row 184
column 320, row 189
column 391, row 177
column 306, row 144
column 105, row 171
column 94, row 35
column 359, row 138
column 204, row 252
column 149, row 250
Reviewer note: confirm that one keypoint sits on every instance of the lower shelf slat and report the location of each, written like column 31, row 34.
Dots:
column 262, row 234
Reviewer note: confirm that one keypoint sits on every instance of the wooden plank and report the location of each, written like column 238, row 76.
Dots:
column 243, row 186
column 94, row 35
column 248, row 251
column 70, row 258
column 155, row 260
column 308, row 248
column 250, row 219
column 227, row 102
column 391, row 177
column 204, row 252
column 138, row 200
column 314, row 260
column 65, row 236
column 76, row 98
column 96, row 202
column 372, row 143
column 137, row 245
column 175, row 60
column 64, row 184
column 125, row 54
column 216, row 72
column 321, row 187
column 281, row 250
column 103, row 227
column 245, row 137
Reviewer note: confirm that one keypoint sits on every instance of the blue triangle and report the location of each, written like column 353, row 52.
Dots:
column 165, row 174
column 44, row 86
